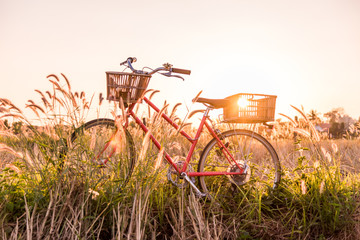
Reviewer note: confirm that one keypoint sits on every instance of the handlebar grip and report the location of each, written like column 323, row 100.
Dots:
column 181, row 71
column 131, row 59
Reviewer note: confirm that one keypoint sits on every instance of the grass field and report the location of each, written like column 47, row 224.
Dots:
column 43, row 198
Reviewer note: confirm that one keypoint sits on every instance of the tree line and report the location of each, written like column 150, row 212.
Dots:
column 339, row 124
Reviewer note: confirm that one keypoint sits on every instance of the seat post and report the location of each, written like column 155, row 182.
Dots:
column 208, row 109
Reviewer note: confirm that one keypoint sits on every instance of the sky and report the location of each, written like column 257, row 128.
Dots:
column 306, row 52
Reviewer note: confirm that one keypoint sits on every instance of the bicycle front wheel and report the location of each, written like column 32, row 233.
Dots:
column 103, row 153
column 249, row 150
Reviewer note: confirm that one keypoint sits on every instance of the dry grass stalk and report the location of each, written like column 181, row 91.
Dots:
column 145, row 146
column 29, row 220
column 200, row 225
column 176, row 219
column 159, row 159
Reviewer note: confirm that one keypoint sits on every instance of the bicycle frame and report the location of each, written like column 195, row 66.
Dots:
column 193, row 141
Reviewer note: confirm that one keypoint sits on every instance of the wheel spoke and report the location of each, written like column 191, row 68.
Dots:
column 94, row 151
column 250, row 151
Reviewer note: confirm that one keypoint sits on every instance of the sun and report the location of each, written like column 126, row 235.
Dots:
column 242, row 102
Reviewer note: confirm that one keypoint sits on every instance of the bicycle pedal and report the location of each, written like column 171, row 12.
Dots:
column 200, row 194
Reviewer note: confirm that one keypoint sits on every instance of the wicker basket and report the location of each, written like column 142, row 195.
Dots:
column 259, row 108
column 128, row 86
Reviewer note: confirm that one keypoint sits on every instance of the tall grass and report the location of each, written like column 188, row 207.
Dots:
column 317, row 199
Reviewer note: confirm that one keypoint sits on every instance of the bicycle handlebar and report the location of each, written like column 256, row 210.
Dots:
column 167, row 67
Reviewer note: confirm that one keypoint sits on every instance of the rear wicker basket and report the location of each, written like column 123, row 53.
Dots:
column 259, row 108
column 128, row 86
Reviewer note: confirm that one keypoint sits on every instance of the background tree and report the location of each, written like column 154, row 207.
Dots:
column 339, row 122
column 313, row 116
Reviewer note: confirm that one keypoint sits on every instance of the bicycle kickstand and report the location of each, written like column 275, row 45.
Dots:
column 197, row 191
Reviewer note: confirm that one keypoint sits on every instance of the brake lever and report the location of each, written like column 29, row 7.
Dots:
column 168, row 74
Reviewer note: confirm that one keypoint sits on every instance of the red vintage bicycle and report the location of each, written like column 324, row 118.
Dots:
column 231, row 159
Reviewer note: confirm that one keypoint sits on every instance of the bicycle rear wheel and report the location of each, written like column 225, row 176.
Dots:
column 247, row 148
column 103, row 153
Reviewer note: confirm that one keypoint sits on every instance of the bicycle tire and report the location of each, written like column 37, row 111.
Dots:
column 89, row 140
column 244, row 145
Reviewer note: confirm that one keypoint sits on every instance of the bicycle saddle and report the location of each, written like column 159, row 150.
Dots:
column 215, row 103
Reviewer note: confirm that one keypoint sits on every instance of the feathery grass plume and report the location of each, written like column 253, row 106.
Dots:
column 139, row 100
column 72, row 98
column 43, row 98
column 49, row 94
column 334, row 147
column 67, row 95
column 34, row 107
column 5, row 101
column 160, row 113
column 101, row 99
column 326, row 154
column 173, row 111
column 159, row 159
column 197, row 96
column 176, row 119
column 67, row 81
column 5, row 148
column 316, row 164
column 14, row 115
column 2, row 109
column 13, row 168
column 313, row 130
column 302, row 132
column 31, row 102
column 166, row 111
column 175, row 145
column 8, row 134
column 45, row 102
column 188, row 110
column 195, row 112
column 12, row 106
column 301, row 112
column 94, row 194
column 303, row 186
column 60, row 101
column 322, row 186
column 145, row 146
column 183, row 126
column 153, row 93
column 137, row 106
column 34, row 111
column 86, row 106
column 56, row 85
column 53, row 76
column 148, row 90
column 88, row 103
column 150, row 97
column 295, row 124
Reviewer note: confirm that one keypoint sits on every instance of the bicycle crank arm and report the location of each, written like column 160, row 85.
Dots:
column 197, row 191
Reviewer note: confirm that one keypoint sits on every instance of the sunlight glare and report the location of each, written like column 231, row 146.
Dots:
column 242, row 102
